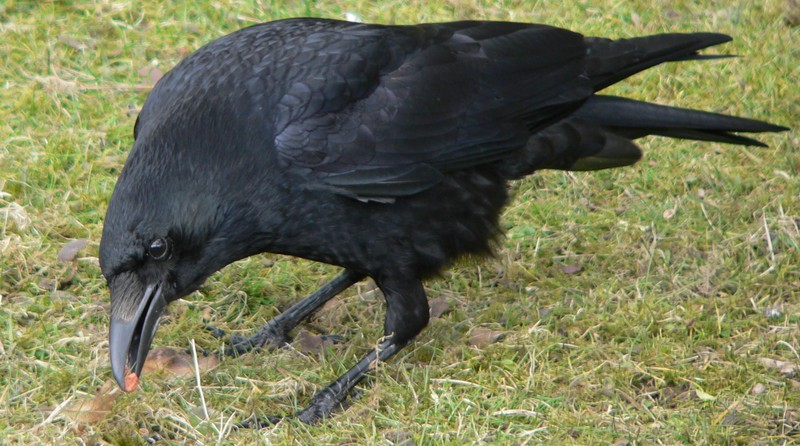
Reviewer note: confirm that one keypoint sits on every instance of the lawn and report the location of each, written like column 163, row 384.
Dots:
column 656, row 304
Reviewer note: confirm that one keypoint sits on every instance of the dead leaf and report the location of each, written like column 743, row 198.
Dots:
column 70, row 250
column 786, row 369
column 439, row 307
column 310, row 343
column 703, row 396
column 96, row 408
column 175, row 362
column 571, row 269
column 481, row 337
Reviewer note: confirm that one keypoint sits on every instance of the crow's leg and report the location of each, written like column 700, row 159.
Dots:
column 406, row 315
column 276, row 331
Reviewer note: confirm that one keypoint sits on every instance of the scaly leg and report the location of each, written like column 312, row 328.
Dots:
column 406, row 315
column 276, row 331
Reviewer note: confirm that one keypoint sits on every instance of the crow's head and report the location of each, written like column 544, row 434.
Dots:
column 178, row 214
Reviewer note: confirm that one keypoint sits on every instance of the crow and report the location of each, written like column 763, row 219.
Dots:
column 385, row 150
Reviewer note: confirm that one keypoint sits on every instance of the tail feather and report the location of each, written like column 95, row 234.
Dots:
column 600, row 134
column 634, row 119
column 695, row 135
column 610, row 61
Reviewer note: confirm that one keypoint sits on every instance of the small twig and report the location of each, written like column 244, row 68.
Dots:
column 197, row 380
column 456, row 382
column 769, row 238
column 55, row 412
column 518, row 413
column 790, row 347
column 224, row 429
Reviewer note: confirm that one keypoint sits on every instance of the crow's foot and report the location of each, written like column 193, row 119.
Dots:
column 238, row 345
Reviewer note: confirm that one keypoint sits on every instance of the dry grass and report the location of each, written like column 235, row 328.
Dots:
column 681, row 326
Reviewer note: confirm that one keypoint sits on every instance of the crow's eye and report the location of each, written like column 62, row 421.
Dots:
column 159, row 249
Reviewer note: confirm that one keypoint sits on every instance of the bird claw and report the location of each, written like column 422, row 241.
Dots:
column 322, row 406
column 215, row 332
column 239, row 345
column 259, row 423
column 335, row 339
column 327, row 401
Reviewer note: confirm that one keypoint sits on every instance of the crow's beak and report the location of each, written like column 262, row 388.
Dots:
column 133, row 327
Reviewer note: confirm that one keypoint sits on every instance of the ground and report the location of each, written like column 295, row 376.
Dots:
column 656, row 304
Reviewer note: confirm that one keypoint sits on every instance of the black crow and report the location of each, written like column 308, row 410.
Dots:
column 385, row 150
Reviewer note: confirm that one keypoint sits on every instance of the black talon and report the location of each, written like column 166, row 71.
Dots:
column 215, row 332
column 258, row 423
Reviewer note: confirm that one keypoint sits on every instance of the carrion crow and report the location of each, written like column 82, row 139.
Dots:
column 385, row 150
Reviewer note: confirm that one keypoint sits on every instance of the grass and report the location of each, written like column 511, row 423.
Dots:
column 687, row 287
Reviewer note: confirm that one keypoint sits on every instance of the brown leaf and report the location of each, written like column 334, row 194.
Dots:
column 439, row 307
column 96, row 408
column 571, row 269
column 311, row 343
column 175, row 362
column 786, row 369
column 70, row 250
column 481, row 337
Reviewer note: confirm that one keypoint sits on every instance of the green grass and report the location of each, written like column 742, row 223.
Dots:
column 659, row 339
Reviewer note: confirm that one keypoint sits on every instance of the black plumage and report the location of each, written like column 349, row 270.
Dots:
column 385, row 150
